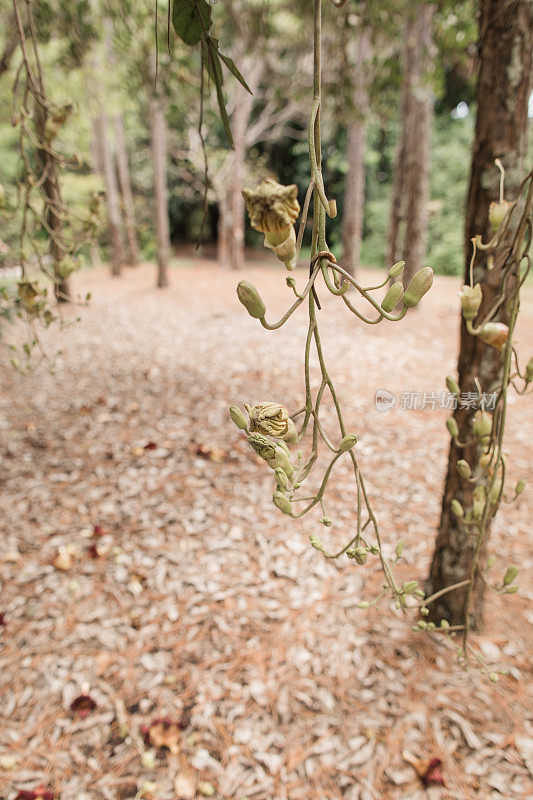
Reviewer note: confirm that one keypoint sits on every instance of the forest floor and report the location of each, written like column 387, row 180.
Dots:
column 142, row 562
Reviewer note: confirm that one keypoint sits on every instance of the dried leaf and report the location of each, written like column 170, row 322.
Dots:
column 83, row 705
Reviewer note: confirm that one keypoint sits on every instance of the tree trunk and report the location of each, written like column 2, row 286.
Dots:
column 418, row 141
column 114, row 217
column 503, row 89
column 158, row 127
column 222, row 231
column 410, row 189
column 127, row 195
column 239, row 123
column 51, row 193
column 354, row 186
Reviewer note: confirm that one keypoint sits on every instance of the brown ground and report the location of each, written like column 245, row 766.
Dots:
column 204, row 597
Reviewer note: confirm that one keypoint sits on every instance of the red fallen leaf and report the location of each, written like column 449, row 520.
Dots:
column 40, row 793
column 150, row 446
column 3, row 619
column 433, row 775
column 162, row 732
column 92, row 551
column 99, row 531
column 83, row 705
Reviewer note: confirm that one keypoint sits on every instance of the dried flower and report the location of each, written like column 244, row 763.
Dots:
column 495, row 334
column 470, row 300
column 273, row 208
column 272, row 419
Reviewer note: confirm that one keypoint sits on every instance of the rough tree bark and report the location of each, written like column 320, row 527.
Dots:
column 354, row 186
column 158, row 128
column 127, row 194
column 410, row 189
column 103, row 148
column 503, row 89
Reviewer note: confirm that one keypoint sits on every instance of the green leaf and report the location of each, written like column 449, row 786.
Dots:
column 212, row 62
column 234, row 71
column 190, row 18
column 223, row 114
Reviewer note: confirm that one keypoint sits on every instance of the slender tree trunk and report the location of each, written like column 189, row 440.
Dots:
column 239, row 124
column 410, row 189
column 504, row 85
column 354, row 186
column 52, row 195
column 222, row 232
column 158, row 128
column 127, row 195
column 418, row 152
column 112, row 196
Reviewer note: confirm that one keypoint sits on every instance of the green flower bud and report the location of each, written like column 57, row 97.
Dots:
column 399, row 549
column 453, row 430
column 479, row 502
column 431, row 626
column 291, row 283
column 520, row 486
column 361, row 555
column 374, row 549
column 238, row 417
column 482, row 425
column 457, row 509
column 444, row 623
column 316, row 542
column 409, row 587
column 495, row 491
column 470, row 300
column 424, row 611
column 281, row 459
column 512, row 589
column 396, row 269
column 281, row 478
column 249, row 297
column 262, row 446
column 363, row 604
column 327, row 521
column 491, row 560
column 452, row 385
column 422, row 624
column 282, row 502
column 350, row 552
column 393, row 297
column 494, row 677
column 463, row 468
column 510, row 575
column 529, row 370
column 497, row 212
column 347, row 442
column 420, row 284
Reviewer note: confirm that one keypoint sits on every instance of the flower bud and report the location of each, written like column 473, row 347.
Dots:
column 409, row 587
column 327, row 521
column 399, row 549
column 482, row 426
column 272, row 419
column 520, row 486
column 457, row 509
column 479, row 502
column 347, row 442
column 444, row 623
column 249, row 297
column 396, row 269
column 262, row 446
column 497, row 212
column 282, row 460
column 361, row 555
column 238, row 417
column 350, row 552
column 282, row 502
column 453, row 430
column 291, row 283
column 470, row 300
column 512, row 589
column 495, row 334
column 281, row 478
column 452, row 385
column 463, row 468
column 316, row 542
column 529, row 370
column 510, row 575
column 420, row 284
column 495, row 491
column 393, row 297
